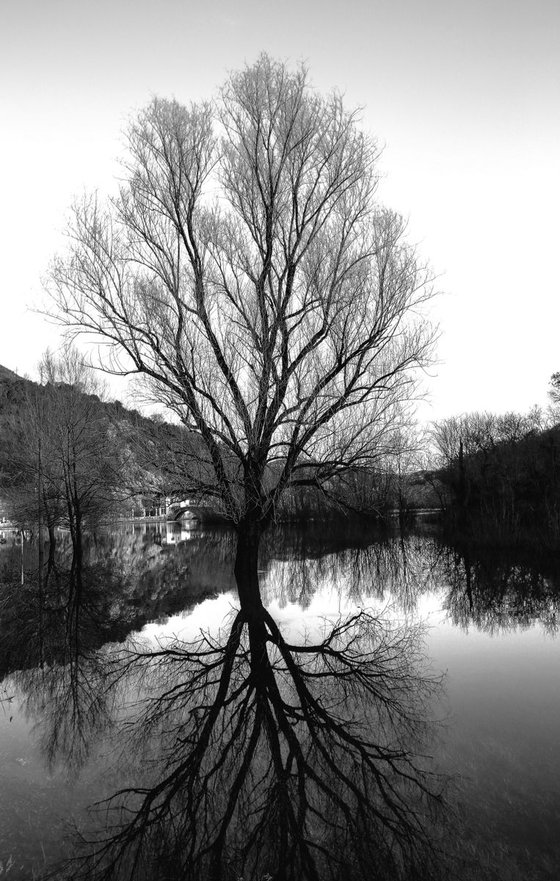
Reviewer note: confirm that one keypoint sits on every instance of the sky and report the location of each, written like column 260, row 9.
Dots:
column 464, row 98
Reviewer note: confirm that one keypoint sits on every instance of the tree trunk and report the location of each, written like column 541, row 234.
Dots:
column 463, row 488
column 252, row 609
column 246, row 568
column 52, row 548
column 78, row 551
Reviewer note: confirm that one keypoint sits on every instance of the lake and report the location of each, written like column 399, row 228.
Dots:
column 487, row 646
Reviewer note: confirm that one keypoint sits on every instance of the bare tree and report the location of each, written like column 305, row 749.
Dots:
column 247, row 272
column 64, row 464
column 478, row 433
column 554, row 389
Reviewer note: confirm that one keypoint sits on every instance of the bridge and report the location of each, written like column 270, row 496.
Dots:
column 190, row 510
column 177, row 512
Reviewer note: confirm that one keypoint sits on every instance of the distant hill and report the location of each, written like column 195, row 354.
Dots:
column 157, row 453
column 7, row 374
column 12, row 389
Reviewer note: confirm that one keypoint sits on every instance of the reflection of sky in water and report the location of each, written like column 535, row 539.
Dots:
column 210, row 615
column 328, row 604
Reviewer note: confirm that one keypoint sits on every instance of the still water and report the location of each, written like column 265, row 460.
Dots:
column 489, row 628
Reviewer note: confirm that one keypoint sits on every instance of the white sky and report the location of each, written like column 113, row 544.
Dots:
column 465, row 97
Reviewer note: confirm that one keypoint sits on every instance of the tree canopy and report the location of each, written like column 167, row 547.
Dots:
column 246, row 270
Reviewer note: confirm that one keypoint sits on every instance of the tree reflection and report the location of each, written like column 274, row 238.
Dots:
column 501, row 591
column 254, row 751
column 386, row 567
column 58, row 667
column 71, row 705
column 244, row 753
column 262, row 756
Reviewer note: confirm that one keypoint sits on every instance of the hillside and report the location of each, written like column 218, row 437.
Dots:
column 7, row 374
column 150, row 458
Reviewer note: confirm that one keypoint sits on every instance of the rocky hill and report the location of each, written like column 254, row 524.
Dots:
column 155, row 453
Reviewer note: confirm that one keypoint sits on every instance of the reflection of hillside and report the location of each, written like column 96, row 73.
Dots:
column 128, row 580
column 163, row 577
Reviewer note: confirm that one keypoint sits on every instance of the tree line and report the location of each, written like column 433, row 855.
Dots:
column 499, row 475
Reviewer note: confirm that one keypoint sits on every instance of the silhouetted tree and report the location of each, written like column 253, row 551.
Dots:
column 246, row 271
column 63, row 459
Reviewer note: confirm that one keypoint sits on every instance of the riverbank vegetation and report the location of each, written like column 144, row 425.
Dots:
column 499, row 477
column 70, row 458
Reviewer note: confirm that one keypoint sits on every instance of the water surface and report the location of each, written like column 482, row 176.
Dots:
column 491, row 628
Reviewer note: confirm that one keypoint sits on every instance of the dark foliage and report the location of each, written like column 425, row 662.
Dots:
column 502, row 483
